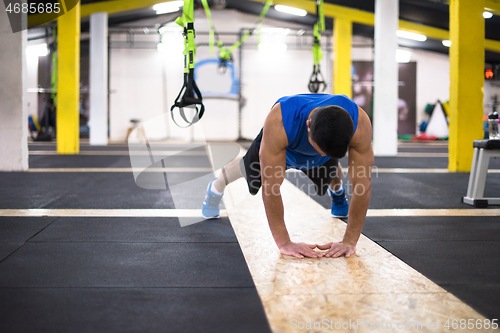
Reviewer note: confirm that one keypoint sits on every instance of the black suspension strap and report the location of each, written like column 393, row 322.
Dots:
column 190, row 95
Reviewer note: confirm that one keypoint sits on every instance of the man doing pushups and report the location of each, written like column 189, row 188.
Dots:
column 309, row 132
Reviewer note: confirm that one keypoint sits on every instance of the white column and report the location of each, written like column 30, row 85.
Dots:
column 13, row 107
column 98, row 121
column 385, row 99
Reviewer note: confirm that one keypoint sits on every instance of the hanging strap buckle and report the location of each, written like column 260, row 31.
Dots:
column 225, row 57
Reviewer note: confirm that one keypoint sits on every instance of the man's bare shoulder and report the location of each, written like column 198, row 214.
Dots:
column 362, row 138
column 274, row 136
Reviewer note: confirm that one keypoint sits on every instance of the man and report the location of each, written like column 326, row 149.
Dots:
column 307, row 132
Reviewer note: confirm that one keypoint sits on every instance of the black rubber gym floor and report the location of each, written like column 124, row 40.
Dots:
column 93, row 190
column 118, row 274
column 98, row 161
column 144, row 274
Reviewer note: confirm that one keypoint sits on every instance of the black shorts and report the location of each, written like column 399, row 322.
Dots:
column 321, row 176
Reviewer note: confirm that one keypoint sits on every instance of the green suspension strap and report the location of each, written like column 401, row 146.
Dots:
column 225, row 54
column 190, row 95
column 320, row 12
column 316, row 82
column 208, row 13
column 261, row 18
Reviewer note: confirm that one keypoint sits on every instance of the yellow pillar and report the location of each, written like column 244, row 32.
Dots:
column 342, row 62
column 466, row 81
column 68, row 86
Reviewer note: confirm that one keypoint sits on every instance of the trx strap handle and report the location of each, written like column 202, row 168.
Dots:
column 316, row 81
column 190, row 95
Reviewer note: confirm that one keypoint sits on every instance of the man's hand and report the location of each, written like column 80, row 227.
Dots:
column 300, row 250
column 335, row 250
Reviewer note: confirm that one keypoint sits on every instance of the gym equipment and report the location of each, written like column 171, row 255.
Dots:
column 316, row 81
column 483, row 150
column 190, row 95
column 225, row 54
column 493, row 126
column 438, row 124
column 43, row 130
column 33, row 124
column 232, row 94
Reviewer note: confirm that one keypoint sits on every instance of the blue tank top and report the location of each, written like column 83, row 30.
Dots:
column 295, row 111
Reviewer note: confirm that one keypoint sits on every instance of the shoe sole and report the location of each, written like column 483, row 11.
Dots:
column 339, row 216
column 211, row 217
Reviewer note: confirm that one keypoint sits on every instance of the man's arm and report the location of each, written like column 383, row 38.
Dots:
column 273, row 165
column 360, row 165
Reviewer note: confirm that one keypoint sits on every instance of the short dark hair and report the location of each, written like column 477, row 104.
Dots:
column 332, row 129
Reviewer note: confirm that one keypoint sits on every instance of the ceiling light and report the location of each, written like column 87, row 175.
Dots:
column 446, row 42
column 487, row 15
column 168, row 7
column 403, row 56
column 411, row 35
column 290, row 10
column 273, row 47
column 38, row 50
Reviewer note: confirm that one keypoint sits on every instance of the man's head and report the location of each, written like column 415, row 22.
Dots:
column 331, row 128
